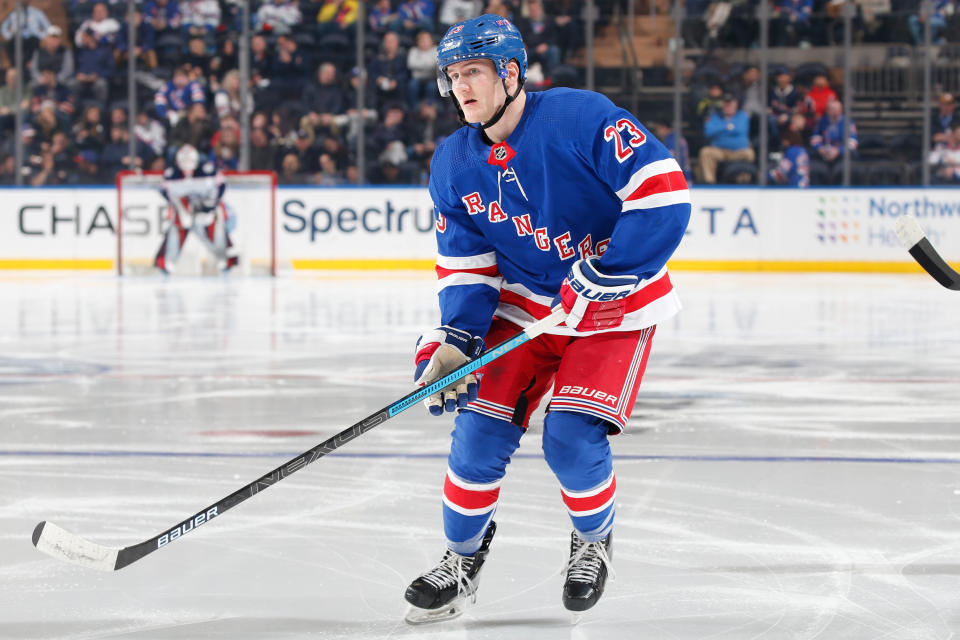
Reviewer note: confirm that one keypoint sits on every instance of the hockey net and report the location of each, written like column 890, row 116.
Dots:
column 249, row 198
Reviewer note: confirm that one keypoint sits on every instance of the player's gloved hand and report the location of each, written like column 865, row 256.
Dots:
column 438, row 353
column 592, row 300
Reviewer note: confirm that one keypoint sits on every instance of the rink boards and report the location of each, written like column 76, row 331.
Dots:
column 735, row 229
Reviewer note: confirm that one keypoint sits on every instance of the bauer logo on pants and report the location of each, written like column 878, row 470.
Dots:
column 587, row 392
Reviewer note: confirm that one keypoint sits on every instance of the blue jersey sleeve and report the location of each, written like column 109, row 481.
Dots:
column 649, row 182
column 468, row 277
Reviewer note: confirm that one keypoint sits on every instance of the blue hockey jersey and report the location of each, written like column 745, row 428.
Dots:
column 578, row 177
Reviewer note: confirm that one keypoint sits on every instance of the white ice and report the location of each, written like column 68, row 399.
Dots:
column 792, row 468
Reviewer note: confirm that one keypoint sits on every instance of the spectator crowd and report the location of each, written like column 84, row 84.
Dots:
column 302, row 104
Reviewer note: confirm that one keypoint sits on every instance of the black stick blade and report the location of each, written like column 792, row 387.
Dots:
column 915, row 241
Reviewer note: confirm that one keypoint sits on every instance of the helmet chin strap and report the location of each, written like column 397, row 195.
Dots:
column 496, row 118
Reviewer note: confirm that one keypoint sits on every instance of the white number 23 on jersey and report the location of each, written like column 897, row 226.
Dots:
column 633, row 135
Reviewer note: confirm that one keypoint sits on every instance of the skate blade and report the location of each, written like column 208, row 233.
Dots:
column 418, row 616
column 576, row 617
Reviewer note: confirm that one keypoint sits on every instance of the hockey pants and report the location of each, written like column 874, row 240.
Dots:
column 576, row 449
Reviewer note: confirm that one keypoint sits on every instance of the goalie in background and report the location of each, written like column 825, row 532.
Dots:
column 193, row 193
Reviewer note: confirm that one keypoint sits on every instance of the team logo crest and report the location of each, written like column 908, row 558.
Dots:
column 457, row 28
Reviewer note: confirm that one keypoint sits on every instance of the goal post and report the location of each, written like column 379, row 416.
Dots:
column 250, row 200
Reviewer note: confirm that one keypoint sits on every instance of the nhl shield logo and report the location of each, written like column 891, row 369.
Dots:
column 500, row 155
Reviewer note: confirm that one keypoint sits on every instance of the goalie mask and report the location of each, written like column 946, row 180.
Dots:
column 488, row 37
column 188, row 159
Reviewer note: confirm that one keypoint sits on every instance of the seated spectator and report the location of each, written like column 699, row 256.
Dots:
column 290, row 170
column 200, row 17
column 303, row 146
column 389, row 70
column 323, row 100
column 945, row 158
column 945, row 119
column 329, row 175
column 88, row 133
column 783, row 97
column 226, row 144
column 805, row 109
column 54, row 164
column 391, row 128
column 263, row 154
column 45, row 122
column 163, row 16
column 568, row 23
column 383, row 18
column 287, row 70
column 540, row 38
column 95, row 68
column 498, row 8
column 8, row 169
column 337, row 16
column 392, row 168
column 416, row 15
column 454, row 11
column 8, row 99
column 116, row 153
column 748, row 92
column 827, row 139
column 226, row 101
column 225, row 58
column 51, row 54
column 712, row 102
column 728, row 139
column 664, row 131
column 146, row 41
column 194, row 129
column 32, row 23
column 367, row 116
column 942, row 9
column 422, row 65
column 278, row 16
column 150, row 132
column 197, row 60
column 176, row 96
column 101, row 25
column 794, row 167
column 49, row 89
column 261, row 62
column 790, row 23
column 820, row 94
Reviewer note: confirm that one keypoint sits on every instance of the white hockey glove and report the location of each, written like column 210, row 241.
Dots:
column 594, row 301
column 438, row 353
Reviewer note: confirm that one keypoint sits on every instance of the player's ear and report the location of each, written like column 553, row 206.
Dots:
column 513, row 76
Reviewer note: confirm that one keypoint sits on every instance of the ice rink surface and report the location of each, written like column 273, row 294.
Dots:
column 792, row 468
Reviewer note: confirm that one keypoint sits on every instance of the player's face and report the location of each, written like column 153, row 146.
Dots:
column 477, row 88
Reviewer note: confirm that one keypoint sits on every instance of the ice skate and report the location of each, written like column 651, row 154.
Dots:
column 442, row 592
column 586, row 573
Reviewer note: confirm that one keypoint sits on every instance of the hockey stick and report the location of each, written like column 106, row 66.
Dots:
column 915, row 241
column 63, row 545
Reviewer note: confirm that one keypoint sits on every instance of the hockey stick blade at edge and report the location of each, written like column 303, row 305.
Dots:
column 914, row 240
column 63, row 545
column 57, row 542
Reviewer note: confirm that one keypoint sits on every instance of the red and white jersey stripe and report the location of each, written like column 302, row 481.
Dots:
column 459, row 270
column 657, row 184
column 591, row 501
column 470, row 498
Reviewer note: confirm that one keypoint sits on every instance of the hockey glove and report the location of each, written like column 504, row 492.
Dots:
column 594, row 301
column 438, row 353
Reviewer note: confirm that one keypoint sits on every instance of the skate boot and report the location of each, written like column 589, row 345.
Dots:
column 440, row 593
column 586, row 572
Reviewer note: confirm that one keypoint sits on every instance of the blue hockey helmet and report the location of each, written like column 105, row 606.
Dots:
column 488, row 37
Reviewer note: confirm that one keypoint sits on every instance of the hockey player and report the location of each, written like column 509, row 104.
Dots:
column 193, row 192
column 548, row 198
